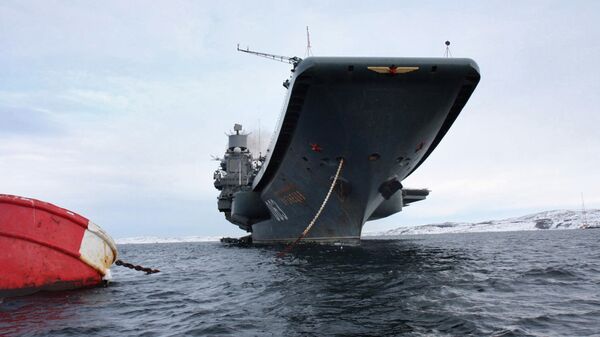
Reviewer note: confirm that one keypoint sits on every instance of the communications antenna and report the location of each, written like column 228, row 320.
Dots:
column 447, row 53
column 308, row 50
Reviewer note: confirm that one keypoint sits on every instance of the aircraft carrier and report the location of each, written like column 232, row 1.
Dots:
column 350, row 131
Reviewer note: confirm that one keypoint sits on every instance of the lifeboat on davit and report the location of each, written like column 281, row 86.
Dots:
column 45, row 247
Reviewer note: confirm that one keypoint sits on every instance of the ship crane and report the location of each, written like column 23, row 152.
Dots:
column 295, row 60
column 285, row 59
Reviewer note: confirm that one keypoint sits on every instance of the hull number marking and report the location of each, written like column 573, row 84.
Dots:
column 275, row 210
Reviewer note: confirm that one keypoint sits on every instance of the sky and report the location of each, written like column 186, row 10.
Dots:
column 113, row 109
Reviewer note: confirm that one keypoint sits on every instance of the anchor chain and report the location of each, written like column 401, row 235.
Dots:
column 314, row 220
column 148, row 271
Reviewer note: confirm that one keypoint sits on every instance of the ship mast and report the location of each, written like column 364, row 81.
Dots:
column 447, row 53
column 308, row 50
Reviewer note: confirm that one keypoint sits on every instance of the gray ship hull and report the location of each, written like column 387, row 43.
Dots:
column 384, row 116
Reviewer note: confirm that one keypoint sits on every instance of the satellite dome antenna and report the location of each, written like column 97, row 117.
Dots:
column 447, row 53
column 308, row 50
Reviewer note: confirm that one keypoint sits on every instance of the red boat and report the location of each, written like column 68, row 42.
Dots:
column 45, row 247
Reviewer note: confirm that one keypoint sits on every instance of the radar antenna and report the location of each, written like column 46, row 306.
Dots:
column 285, row 59
column 447, row 53
column 308, row 50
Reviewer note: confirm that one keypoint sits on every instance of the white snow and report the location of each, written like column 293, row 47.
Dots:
column 155, row 239
column 556, row 219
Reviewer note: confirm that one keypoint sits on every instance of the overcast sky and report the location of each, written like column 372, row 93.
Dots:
column 112, row 109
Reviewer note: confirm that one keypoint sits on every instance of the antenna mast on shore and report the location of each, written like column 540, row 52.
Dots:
column 583, row 215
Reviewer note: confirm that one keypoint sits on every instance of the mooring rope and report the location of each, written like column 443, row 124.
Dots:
column 137, row 267
column 314, row 220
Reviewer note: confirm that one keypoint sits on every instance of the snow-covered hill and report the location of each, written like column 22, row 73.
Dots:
column 557, row 219
column 154, row 239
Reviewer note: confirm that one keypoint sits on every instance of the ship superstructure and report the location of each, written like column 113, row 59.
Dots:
column 236, row 173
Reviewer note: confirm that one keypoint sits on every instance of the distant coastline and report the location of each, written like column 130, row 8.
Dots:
column 155, row 239
column 548, row 220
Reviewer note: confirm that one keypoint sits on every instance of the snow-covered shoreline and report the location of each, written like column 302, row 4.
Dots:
column 548, row 220
column 155, row 239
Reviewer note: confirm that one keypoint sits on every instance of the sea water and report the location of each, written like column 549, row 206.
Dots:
column 542, row 283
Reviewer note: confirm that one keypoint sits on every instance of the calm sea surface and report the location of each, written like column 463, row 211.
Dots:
column 543, row 283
